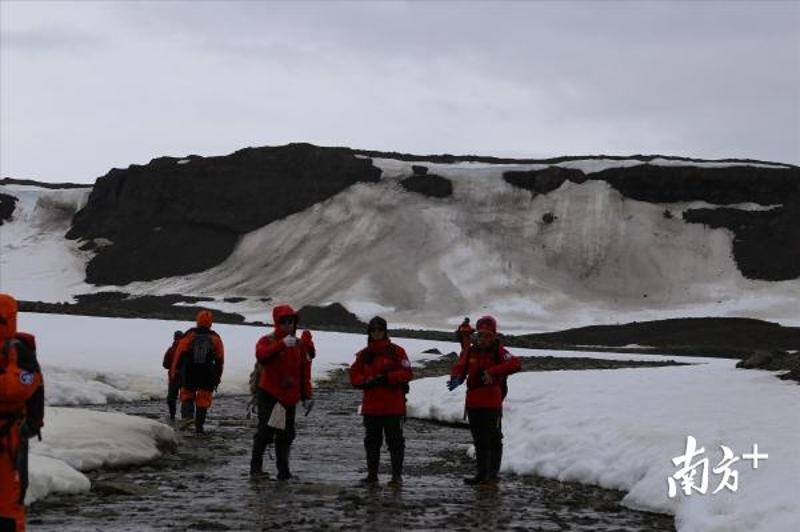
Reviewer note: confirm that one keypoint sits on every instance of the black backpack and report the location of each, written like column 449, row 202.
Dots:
column 203, row 352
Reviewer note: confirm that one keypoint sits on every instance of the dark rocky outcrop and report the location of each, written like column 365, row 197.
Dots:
column 122, row 305
column 774, row 361
column 720, row 186
column 544, row 180
column 166, row 218
column 766, row 244
column 736, row 336
column 41, row 184
column 430, row 185
column 7, row 205
column 331, row 316
column 450, row 159
column 419, row 170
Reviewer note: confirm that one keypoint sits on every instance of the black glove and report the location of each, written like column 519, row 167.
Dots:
column 380, row 380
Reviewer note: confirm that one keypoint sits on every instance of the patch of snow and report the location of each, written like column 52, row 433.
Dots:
column 77, row 440
column 36, row 262
column 90, row 360
column 184, row 161
column 621, row 428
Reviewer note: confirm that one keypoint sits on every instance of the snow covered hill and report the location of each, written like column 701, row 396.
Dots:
column 547, row 255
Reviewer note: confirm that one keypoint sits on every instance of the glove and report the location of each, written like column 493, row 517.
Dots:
column 380, row 380
column 454, row 383
column 289, row 341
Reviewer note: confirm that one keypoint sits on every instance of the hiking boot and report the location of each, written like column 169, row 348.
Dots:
column 396, row 482
column 257, row 474
column 472, row 481
column 186, row 424
column 489, row 483
column 282, row 461
column 371, row 478
column 200, row 420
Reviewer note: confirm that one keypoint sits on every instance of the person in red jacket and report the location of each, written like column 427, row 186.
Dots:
column 485, row 366
column 285, row 380
column 21, row 413
column 198, row 363
column 464, row 334
column 383, row 371
column 173, row 381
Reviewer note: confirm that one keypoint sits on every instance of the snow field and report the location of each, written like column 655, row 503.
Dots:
column 621, row 428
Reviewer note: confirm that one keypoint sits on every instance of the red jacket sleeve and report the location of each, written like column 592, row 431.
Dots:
column 509, row 364
column 357, row 377
column 460, row 368
column 306, row 391
column 219, row 350
column 403, row 373
column 267, row 348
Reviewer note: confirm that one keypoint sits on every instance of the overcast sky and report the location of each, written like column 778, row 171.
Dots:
column 90, row 86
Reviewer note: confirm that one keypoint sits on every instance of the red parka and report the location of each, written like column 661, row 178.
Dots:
column 285, row 371
column 381, row 357
column 497, row 362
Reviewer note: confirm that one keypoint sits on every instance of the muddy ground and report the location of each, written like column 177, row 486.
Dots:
column 204, row 485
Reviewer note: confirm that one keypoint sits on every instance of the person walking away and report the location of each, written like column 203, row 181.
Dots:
column 21, row 413
column 284, row 380
column 383, row 371
column 485, row 366
column 173, row 381
column 199, row 361
column 464, row 334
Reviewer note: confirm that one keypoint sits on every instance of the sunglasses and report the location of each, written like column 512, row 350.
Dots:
column 287, row 321
column 377, row 329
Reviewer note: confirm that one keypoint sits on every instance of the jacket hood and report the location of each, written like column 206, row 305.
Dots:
column 8, row 316
column 280, row 312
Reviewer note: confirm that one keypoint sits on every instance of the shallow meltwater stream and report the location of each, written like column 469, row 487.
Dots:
column 204, row 484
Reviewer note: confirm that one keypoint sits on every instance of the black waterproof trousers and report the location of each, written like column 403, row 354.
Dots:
column 375, row 429
column 266, row 435
column 487, row 435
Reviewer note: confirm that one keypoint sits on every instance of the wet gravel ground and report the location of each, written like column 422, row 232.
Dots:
column 204, row 484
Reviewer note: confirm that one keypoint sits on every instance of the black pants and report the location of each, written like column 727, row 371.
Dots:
column 487, row 435
column 375, row 428
column 172, row 398
column 266, row 435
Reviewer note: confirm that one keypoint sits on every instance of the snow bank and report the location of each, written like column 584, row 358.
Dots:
column 621, row 428
column 91, row 360
column 76, row 440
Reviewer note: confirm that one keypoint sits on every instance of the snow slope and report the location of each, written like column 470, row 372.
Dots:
column 36, row 262
column 621, row 428
column 427, row 262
